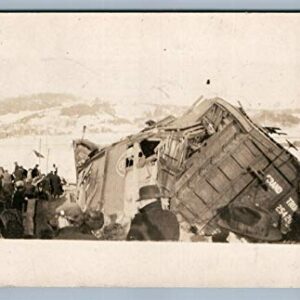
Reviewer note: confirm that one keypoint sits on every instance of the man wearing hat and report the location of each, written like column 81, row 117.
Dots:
column 82, row 227
column 152, row 222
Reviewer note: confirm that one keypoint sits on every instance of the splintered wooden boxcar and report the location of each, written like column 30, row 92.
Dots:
column 235, row 161
column 211, row 156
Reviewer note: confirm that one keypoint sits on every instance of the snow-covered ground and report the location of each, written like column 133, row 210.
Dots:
column 56, row 149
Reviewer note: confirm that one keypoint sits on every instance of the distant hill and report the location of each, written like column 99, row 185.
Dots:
column 34, row 102
column 284, row 118
column 59, row 114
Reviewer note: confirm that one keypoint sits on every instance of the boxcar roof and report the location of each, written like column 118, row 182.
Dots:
column 197, row 111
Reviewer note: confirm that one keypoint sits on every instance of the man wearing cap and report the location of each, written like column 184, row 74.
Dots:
column 152, row 222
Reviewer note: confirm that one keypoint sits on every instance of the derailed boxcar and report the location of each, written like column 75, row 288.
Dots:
column 109, row 178
column 210, row 157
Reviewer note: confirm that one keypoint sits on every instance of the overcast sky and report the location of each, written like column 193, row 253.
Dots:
column 161, row 58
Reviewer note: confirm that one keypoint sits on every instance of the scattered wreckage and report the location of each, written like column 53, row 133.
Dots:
column 219, row 169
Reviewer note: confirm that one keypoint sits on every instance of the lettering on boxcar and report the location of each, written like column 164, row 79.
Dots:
column 292, row 204
column 275, row 186
column 286, row 216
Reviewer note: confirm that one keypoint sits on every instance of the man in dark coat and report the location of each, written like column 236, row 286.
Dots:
column 46, row 185
column 18, row 199
column 18, row 174
column 35, row 171
column 152, row 222
column 24, row 173
column 56, row 185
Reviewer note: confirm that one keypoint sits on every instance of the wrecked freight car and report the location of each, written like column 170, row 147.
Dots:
column 211, row 160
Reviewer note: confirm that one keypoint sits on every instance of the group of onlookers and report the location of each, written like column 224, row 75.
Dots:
column 24, row 197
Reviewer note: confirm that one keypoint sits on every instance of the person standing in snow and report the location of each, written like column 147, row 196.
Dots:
column 35, row 171
column 30, row 198
column 18, row 173
column 56, row 185
column 152, row 222
column 18, row 198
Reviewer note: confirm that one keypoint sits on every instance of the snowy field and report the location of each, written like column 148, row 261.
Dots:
column 56, row 150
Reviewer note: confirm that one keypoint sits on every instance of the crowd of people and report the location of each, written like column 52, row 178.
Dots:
column 24, row 197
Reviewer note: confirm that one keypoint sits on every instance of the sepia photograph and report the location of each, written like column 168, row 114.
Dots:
column 150, row 127
column 114, row 130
